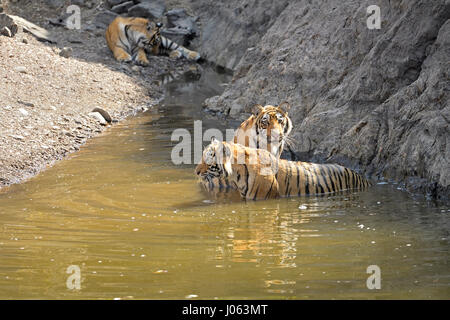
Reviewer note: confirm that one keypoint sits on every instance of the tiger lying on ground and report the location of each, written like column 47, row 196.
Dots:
column 257, row 174
column 130, row 38
column 267, row 128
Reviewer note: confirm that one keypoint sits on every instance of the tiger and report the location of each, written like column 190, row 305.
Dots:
column 257, row 174
column 130, row 38
column 267, row 128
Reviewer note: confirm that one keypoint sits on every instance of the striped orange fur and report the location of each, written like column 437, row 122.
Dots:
column 130, row 39
column 257, row 174
column 267, row 128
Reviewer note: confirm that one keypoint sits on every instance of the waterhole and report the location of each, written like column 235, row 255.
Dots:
column 139, row 227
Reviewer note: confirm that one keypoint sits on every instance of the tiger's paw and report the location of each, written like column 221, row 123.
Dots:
column 124, row 59
column 141, row 58
column 175, row 54
column 193, row 55
column 142, row 62
column 122, row 56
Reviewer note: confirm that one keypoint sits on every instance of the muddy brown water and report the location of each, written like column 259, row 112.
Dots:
column 139, row 227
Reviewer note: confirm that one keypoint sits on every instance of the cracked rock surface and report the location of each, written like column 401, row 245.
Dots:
column 374, row 100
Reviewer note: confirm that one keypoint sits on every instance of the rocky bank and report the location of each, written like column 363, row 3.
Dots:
column 376, row 100
column 49, row 90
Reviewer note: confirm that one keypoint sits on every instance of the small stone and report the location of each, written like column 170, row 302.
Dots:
column 20, row 69
column 98, row 117
column 104, row 114
column 66, row 52
column 6, row 32
column 18, row 137
column 23, row 111
column 24, row 40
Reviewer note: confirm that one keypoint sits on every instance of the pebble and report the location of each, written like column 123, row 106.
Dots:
column 98, row 117
column 303, row 207
column 20, row 69
column 104, row 114
column 18, row 137
column 6, row 32
column 23, row 111
column 66, row 52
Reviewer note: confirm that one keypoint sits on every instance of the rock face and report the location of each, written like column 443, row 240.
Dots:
column 232, row 26
column 150, row 9
column 181, row 27
column 372, row 99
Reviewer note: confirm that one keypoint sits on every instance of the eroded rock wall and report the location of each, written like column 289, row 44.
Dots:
column 375, row 100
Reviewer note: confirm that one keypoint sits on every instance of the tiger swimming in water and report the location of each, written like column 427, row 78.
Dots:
column 267, row 128
column 131, row 38
column 257, row 174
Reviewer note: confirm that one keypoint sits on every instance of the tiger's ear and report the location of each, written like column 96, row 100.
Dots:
column 256, row 109
column 285, row 106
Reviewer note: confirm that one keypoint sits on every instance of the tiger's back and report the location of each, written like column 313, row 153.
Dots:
column 305, row 178
column 257, row 174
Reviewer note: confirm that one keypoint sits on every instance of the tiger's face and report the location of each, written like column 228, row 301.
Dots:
column 215, row 162
column 152, row 36
column 272, row 126
column 273, row 123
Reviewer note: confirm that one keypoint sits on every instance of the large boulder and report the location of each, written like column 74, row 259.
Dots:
column 181, row 27
column 104, row 18
column 179, row 19
column 230, row 27
column 150, row 9
column 122, row 7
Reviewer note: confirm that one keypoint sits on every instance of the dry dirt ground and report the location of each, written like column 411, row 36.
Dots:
column 45, row 98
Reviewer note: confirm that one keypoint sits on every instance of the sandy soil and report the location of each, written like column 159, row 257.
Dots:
column 45, row 98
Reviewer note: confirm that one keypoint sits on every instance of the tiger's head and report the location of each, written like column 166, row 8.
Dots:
column 216, row 161
column 267, row 128
column 150, row 37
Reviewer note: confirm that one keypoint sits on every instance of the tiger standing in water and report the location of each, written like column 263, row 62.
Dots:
column 257, row 174
column 131, row 38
